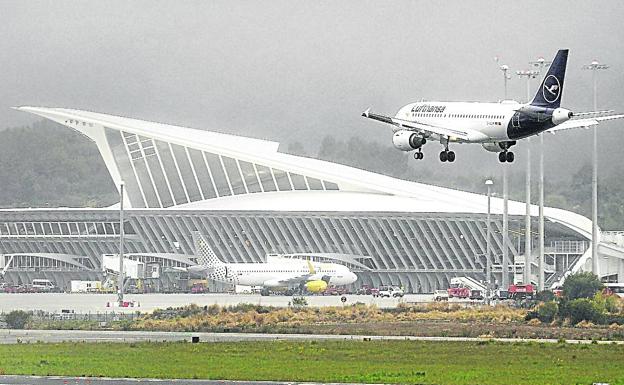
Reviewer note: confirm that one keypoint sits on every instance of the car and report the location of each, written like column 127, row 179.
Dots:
column 390, row 291
column 440, row 295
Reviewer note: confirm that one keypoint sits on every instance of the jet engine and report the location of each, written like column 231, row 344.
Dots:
column 407, row 140
column 316, row 286
column 498, row 146
column 561, row 115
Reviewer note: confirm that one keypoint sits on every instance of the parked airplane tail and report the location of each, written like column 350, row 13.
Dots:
column 549, row 93
column 204, row 253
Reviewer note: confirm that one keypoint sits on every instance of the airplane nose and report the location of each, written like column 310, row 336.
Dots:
column 352, row 277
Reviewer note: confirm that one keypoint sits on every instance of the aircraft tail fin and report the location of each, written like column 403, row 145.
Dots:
column 549, row 93
column 204, row 253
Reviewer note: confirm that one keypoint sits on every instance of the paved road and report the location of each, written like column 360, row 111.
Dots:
column 36, row 380
column 50, row 336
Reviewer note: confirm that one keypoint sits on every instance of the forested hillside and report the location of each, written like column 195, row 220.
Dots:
column 47, row 165
column 572, row 191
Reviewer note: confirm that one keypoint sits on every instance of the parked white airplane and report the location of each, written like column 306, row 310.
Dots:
column 275, row 273
column 496, row 126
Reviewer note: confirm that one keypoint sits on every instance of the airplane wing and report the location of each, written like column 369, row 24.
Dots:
column 294, row 279
column 450, row 133
column 583, row 123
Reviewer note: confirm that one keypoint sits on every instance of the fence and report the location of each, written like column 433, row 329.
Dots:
column 105, row 317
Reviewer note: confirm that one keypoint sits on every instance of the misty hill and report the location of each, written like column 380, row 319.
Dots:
column 48, row 165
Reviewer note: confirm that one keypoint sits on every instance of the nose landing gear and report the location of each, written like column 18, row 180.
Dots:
column 419, row 154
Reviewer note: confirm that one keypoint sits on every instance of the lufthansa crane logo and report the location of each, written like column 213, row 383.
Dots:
column 551, row 89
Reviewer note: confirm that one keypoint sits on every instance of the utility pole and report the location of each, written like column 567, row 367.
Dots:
column 529, row 74
column 120, row 282
column 541, row 64
column 594, row 67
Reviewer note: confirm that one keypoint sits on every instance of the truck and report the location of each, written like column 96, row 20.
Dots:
column 466, row 287
column 440, row 295
column 521, row 291
column 85, row 286
column 458, row 292
column 390, row 291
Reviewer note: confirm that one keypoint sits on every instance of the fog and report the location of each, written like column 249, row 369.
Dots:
column 297, row 71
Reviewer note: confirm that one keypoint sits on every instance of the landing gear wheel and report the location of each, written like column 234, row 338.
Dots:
column 450, row 156
column 443, row 156
column 510, row 157
column 418, row 155
column 502, row 157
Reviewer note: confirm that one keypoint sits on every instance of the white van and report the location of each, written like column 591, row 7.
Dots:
column 43, row 286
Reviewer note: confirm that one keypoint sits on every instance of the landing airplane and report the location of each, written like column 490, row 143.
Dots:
column 275, row 273
column 496, row 126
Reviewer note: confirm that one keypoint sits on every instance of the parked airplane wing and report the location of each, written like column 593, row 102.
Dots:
column 583, row 123
column 420, row 127
column 304, row 277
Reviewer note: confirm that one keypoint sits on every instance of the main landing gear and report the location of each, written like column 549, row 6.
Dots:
column 419, row 154
column 506, row 156
column 447, row 156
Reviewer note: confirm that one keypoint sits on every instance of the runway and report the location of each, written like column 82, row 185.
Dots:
column 8, row 336
column 85, row 303
column 58, row 380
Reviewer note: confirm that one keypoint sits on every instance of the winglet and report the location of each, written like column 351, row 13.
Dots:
column 366, row 113
column 311, row 267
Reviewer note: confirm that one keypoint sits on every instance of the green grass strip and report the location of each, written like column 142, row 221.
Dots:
column 407, row 362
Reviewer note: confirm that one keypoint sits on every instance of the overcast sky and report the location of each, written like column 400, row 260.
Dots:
column 297, row 70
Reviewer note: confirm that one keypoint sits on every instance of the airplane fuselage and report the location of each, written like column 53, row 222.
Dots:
column 274, row 274
column 485, row 122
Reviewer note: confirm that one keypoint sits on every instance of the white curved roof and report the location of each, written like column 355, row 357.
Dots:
column 359, row 190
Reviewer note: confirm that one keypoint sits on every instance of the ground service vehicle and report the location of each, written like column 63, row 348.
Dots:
column 440, row 295
column 43, row 286
column 458, row 292
column 476, row 295
column 389, row 291
column 333, row 290
column 521, row 291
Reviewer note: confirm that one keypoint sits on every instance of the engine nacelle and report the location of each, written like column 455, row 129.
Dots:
column 493, row 147
column 561, row 115
column 498, row 146
column 316, row 286
column 407, row 140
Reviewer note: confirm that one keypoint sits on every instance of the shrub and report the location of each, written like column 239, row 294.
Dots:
column 547, row 311
column 581, row 285
column 545, row 296
column 582, row 309
column 299, row 302
column 17, row 319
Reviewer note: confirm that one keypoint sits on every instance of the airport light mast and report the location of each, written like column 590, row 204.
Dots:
column 541, row 64
column 120, row 281
column 528, row 74
column 594, row 67
column 488, row 254
column 505, row 267
column 506, row 77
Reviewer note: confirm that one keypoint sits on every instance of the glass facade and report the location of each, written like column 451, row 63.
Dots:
column 160, row 174
column 418, row 251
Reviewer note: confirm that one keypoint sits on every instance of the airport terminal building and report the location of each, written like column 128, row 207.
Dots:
column 250, row 200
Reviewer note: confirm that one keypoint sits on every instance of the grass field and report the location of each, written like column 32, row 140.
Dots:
column 407, row 362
